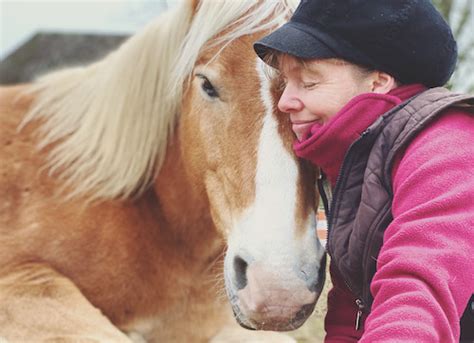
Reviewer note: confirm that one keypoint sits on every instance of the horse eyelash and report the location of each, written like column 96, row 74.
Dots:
column 214, row 92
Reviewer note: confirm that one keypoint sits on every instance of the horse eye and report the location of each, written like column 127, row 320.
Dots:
column 207, row 87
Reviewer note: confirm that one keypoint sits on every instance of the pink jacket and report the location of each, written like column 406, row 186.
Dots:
column 425, row 270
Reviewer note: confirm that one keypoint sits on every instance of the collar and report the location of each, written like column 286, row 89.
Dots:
column 326, row 146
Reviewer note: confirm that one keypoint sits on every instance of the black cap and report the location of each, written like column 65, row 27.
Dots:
column 408, row 39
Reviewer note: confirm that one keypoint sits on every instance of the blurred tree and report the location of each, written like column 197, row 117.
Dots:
column 460, row 16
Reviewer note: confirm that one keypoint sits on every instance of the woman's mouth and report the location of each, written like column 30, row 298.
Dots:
column 302, row 128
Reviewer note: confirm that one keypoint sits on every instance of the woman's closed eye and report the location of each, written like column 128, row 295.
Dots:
column 309, row 85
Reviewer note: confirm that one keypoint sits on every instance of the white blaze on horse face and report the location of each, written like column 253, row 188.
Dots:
column 267, row 236
column 271, row 219
column 269, row 225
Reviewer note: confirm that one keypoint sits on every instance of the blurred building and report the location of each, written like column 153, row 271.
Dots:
column 47, row 51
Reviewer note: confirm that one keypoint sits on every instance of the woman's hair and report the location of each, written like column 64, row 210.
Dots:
column 273, row 58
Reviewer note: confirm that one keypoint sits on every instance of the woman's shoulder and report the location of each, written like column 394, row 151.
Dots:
column 445, row 142
column 450, row 128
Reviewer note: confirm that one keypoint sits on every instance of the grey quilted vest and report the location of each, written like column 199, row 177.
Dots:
column 360, row 209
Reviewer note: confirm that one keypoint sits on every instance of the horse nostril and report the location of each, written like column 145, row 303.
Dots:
column 240, row 268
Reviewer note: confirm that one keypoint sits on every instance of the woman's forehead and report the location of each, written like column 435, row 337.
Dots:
column 287, row 62
column 290, row 64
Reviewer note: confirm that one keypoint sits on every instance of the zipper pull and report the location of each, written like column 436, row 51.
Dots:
column 358, row 321
column 366, row 132
column 322, row 192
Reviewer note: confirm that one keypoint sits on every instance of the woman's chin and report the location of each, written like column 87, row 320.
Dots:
column 303, row 130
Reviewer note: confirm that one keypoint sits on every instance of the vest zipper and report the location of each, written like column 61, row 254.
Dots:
column 335, row 195
column 322, row 191
column 359, row 302
column 366, row 255
column 358, row 321
column 342, row 172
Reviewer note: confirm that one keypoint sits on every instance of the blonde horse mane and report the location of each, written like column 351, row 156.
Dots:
column 110, row 122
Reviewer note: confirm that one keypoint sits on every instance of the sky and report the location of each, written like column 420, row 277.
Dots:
column 20, row 19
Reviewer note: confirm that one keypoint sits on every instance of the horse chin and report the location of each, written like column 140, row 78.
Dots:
column 277, row 317
column 274, row 325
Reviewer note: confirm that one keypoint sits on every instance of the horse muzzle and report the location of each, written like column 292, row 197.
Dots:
column 267, row 300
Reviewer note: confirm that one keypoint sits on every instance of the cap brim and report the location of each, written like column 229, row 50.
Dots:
column 293, row 40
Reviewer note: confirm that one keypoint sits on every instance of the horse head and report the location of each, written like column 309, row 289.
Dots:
column 262, row 199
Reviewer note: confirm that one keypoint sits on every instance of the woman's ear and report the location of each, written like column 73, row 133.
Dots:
column 382, row 83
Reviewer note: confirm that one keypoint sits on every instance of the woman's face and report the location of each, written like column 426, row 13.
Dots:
column 316, row 90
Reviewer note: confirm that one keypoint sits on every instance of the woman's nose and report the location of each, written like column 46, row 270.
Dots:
column 289, row 102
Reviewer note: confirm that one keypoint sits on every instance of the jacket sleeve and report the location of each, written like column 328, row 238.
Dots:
column 342, row 310
column 425, row 273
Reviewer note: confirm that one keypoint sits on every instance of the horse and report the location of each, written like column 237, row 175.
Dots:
column 153, row 195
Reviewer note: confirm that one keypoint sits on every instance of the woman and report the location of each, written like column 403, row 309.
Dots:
column 361, row 87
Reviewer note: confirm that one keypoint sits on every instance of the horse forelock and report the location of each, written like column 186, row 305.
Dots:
column 219, row 23
column 108, row 124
